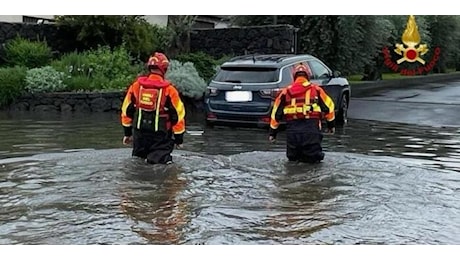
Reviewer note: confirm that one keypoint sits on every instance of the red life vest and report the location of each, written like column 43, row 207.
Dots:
column 151, row 113
column 302, row 102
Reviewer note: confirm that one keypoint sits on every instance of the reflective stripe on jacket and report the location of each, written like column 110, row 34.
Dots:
column 301, row 100
column 153, row 94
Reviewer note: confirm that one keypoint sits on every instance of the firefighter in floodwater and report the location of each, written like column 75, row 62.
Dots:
column 153, row 115
column 302, row 105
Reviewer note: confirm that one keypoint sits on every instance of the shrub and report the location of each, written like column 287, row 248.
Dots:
column 203, row 63
column 44, row 79
column 186, row 78
column 109, row 63
column 138, row 35
column 30, row 54
column 11, row 84
column 78, row 83
column 74, row 64
column 103, row 68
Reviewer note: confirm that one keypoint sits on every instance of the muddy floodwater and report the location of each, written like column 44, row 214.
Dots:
column 66, row 179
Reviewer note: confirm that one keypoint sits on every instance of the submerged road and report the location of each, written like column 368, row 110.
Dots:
column 433, row 104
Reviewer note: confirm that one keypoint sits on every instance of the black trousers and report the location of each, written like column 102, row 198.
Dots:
column 155, row 147
column 303, row 138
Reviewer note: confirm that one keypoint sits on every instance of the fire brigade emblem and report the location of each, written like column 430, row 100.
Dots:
column 411, row 50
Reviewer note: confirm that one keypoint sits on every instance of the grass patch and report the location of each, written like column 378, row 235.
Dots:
column 356, row 79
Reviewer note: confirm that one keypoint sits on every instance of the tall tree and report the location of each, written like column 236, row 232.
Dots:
column 444, row 30
column 139, row 36
column 180, row 26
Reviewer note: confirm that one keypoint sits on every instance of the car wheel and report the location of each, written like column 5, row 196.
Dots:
column 342, row 115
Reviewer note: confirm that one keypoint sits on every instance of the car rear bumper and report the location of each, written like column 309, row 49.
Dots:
column 238, row 119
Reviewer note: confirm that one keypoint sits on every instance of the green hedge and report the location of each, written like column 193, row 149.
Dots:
column 26, row 53
column 12, row 82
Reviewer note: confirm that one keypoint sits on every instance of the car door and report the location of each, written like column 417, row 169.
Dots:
column 320, row 73
column 322, row 76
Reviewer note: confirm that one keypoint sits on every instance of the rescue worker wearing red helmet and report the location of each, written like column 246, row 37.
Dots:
column 302, row 105
column 153, row 115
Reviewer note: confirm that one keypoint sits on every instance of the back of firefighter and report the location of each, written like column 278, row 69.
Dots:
column 302, row 105
column 153, row 115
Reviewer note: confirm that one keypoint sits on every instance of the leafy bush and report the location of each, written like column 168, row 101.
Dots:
column 186, row 78
column 103, row 68
column 44, row 79
column 30, row 54
column 79, row 83
column 203, row 63
column 138, row 35
column 74, row 64
column 11, row 84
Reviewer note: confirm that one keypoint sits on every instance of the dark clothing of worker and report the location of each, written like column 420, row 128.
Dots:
column 153, row 114
column 302, row 106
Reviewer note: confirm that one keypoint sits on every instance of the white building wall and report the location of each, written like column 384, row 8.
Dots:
column 18, row 18
column 161, row 20
column 220, row 25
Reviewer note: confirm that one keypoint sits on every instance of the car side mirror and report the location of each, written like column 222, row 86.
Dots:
column 336, row 74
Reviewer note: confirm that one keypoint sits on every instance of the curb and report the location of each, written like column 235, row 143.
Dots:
column 368, row 87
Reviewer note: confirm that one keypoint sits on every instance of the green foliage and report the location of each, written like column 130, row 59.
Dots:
column 44, row 79
column 74, row 64
column 79, row 83
column 26, row 53
column 203, row 63
column 445, row 33
column 11, row 84
column 180, row 26
column 139, row 37
column 354, row 43
column 254, row 20
column 99, row 69
column 186, row 78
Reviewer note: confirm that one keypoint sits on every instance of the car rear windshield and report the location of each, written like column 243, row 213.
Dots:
column 247, row 75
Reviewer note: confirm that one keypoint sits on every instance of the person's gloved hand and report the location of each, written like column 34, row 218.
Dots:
column 127, row 140
column 178, row 140
column 272, row 138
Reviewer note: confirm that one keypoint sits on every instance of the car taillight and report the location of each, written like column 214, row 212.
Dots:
column 265, row 119
column 211, row 115
column 273, row 93
column 212, row 91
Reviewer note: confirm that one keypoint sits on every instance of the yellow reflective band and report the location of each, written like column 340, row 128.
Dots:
column 307, row 95
column 295, row 110
column 157, row 112
column 289, row 110
column 316, row 107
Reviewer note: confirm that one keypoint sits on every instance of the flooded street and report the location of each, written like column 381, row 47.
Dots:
column 66, row 179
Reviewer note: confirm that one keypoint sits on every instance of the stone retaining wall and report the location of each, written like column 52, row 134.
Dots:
column 69, row 102
column 245, row 40
column 82, row 102
column 217, row 42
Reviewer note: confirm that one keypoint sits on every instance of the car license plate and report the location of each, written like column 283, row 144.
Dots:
column 238, row 96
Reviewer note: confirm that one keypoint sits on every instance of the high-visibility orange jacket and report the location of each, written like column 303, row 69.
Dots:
column 156, row 94
column 301, row 100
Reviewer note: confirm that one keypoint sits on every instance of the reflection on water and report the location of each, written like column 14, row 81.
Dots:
column 68, row 180
column 27, row 134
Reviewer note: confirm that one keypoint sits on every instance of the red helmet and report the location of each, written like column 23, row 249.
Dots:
column 301, row 70
column 158, row 61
